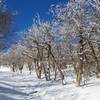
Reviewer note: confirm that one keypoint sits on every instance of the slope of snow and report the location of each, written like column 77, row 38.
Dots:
column 91, row 91
column 4, row 69
column 15, row 86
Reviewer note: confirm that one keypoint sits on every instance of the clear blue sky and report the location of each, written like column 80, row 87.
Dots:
column 26, row 9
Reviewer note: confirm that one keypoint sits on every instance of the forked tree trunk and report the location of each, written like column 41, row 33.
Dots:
column 55, row 63
column 95, row 57
column 38, row 70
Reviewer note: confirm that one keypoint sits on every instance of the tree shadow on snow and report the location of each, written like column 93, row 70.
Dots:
column 4, row 83
column 91, row 84
column 3, row 97
column 4, row 90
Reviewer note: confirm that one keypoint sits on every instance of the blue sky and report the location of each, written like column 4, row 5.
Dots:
column 26, row 11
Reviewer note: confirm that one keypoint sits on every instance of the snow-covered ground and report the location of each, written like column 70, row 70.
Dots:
column 15, row 86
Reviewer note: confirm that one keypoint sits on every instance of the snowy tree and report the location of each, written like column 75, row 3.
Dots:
column 79, row 19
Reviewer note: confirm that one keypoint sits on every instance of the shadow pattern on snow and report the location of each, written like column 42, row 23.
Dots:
column 3, row 97
column 6, row 92
column 11, row 91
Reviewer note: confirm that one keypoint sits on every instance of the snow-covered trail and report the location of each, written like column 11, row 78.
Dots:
column 15, row 86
